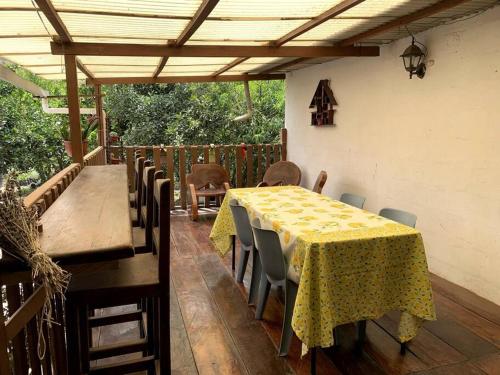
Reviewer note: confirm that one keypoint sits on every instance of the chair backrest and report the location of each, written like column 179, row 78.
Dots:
column 161, row 216
column 271, row 256
column 353, row 200
column 242, row 223
column 140, row 163
column 320, row 182
column 207, row 174
column 282, row 173
column 403, row 217
column 149, row 177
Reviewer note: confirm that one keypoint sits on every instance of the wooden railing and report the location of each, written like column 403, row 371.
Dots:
column 95, row 157
column 245, row 163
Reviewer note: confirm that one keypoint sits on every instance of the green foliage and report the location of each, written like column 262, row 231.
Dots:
column 31, row 141
column 29, row 138
column 195, row 113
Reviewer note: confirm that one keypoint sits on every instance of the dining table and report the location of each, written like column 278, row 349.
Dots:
column 352, row 264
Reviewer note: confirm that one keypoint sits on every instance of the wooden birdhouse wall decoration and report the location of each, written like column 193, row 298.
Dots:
column 323, row 102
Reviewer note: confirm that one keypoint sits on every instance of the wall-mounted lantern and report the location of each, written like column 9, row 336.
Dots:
column 413, row 59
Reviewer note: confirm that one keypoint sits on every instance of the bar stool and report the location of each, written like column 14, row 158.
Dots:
column 144, row 276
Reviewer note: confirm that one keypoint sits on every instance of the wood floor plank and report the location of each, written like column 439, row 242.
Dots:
column 464, row 368
column 467, row 299
column 447, row 309
column 461, row 338
column 255, row 347
column 273, row 316
column 212, row 346
column 181, row 354
column 428, row 348
column 385, row 351
column 490, row 364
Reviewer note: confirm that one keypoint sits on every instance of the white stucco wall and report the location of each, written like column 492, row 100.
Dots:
column 428, row 146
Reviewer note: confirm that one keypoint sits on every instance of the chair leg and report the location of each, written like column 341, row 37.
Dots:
column 84, row 338
column 286, row 331
column 233, row 239
column 256, row 274
column 361, row 334
column 165, row 361
column 72, row 338
column 150, row 326
column 313, row 361
column 402, row 349
column 156, row 327
column 264, row 288
column 242, row 265
column 335, row 337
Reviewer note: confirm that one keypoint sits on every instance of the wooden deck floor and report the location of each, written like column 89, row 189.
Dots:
column 214, row 330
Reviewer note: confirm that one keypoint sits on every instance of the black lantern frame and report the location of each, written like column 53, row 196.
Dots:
column 413, row 59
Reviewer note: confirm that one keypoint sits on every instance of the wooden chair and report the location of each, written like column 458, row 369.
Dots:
column 137, row 154
column 320, row 182
column 144, row 276
column 135, row 212
column 281, row 173
column 142, row 237
column 207, row 181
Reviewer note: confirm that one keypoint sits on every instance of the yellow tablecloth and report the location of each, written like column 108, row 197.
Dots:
column 353, row 265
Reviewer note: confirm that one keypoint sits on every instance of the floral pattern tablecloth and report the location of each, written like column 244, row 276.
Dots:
column 353, row 265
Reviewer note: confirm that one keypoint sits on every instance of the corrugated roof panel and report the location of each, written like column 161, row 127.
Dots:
column 249, row 30
column 337, row 29
column 138, row 40
column 178, row 74
column 119, row 60
column 25, row 45
column 191, row 68
column 121, row 68
column 275, row 8
column 199, row 60
column 23, row 23
column 62, row 76
column 32, row 60
column 117, row 27
column 223, row 42
column 47, row 69
column 387, row 8
column 150, row 7
column 123, row 74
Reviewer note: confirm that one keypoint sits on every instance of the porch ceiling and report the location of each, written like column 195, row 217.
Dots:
column 29, row 27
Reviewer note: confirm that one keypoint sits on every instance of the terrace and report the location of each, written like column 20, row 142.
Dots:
column 361, row 289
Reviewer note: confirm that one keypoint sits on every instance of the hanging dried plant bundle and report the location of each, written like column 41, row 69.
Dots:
column 19, row 238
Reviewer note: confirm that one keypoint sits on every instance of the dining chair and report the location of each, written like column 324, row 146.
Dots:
column 281, row 173
column 320, row 182
column 402, row 217
column 142, row 236
column 245, row 235
column 143, row 276
column 353, row 200
column 135, row 212
column 276, row 272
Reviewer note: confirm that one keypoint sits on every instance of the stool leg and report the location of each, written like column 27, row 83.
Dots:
column 84, row 338
column 72, row 338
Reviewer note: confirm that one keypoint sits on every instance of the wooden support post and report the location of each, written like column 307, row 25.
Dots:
column 74, row 108
column 284, row 141
column 101, row 132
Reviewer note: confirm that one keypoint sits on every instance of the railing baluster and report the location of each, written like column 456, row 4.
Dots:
column 170, row 173
column 239, row 166
column 276, row 153
column 268, row 156
column 182, row 175
column 18, row 344
column 260, row 173
column 250, row 181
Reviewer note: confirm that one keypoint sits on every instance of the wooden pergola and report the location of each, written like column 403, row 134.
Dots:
column 347, row 28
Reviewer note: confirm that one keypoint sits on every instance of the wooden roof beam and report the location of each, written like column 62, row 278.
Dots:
column 401, row 21
column 159, row 50
column 186, row 79
column 201, row 14
column 50, row 12
column 330, row 13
